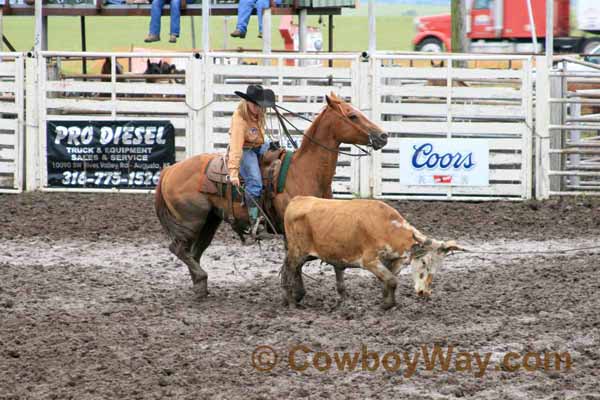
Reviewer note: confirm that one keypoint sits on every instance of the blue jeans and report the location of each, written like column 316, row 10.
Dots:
column 245, row 11
column 157, row 6
column 250, row 171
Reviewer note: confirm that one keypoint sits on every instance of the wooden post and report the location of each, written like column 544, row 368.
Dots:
column 206, row 25
column 549, row 32
column 372, row 28
column 32, row 124
column 195, row 138
column 39, row 29
column 362, row 84
column 267, row 31
column 193, row 32
column 542, row 120
column 459, row 33
column 302, row 30
column 225, row 32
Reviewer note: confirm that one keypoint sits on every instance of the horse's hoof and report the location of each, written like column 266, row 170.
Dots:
column 299, row 295
column 340, row 304
column 201, row 290
column 387, row 306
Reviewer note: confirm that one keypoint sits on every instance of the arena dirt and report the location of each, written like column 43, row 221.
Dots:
column 92, row 305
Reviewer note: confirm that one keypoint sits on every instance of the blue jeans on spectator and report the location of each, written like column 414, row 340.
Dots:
column 250, row 171
column 245, row 8
column 157, row 6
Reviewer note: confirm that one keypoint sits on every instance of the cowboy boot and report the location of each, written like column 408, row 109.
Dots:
column 152, row 38
column 238, row 34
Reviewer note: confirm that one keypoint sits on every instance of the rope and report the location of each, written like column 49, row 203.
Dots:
column 568, row 250
column 198, row 109
column 259, row 209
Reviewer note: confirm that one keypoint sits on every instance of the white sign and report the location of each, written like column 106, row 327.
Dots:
column 287, row 144
column 444, row 162
column 588, row 15
column 314, row 42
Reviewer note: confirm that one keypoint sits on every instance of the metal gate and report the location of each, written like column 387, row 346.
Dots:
column 12, row 124
column 300, row 81
column 456, row 96
column 568, row 127
column 409, row 95
column 112, row 96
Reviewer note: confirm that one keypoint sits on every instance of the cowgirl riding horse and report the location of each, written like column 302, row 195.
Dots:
column 247, row 144
column 191, row 218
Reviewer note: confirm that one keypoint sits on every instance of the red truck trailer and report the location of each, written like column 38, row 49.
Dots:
column 504, row 26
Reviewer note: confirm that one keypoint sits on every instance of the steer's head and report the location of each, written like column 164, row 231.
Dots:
column 426, row 258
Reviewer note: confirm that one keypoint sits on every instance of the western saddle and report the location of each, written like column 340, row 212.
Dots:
column 274, row 165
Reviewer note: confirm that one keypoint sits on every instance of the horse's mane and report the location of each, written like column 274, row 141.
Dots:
column 310, row 132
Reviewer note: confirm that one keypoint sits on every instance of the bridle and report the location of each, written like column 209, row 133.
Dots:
column 283, row 120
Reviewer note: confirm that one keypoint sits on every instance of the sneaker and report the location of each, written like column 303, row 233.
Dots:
column 238, row 34
column 260, row 35
column 152, row 38
column 173, row 39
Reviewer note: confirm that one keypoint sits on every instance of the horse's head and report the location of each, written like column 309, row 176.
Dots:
column 352, row 126
column 107, row 67
column 153, row 68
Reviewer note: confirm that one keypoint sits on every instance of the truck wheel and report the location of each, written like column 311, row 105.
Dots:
column 432, row 45
column 589, row 45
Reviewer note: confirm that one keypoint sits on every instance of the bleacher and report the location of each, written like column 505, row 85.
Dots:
column 188, row 7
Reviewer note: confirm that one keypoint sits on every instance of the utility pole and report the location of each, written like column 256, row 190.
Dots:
column 460, row 42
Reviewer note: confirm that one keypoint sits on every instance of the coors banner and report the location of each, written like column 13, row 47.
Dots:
column 108, row 154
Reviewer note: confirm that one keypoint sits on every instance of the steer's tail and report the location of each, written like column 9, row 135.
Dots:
column 174, row 229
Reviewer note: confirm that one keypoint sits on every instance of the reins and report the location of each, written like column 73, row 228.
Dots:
column 283, row 120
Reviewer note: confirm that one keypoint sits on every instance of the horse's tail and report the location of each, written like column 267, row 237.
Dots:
column 174, row 229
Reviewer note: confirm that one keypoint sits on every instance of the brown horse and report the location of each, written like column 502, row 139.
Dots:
column 191, row 218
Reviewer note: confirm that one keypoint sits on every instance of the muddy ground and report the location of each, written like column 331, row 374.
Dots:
column 92, row 305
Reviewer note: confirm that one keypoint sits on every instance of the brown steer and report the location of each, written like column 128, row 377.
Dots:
column 357, row 234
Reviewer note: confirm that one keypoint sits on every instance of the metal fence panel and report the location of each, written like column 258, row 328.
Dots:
column 568, row 124
column 12, row 122
column 456, row 96
column 300, row 83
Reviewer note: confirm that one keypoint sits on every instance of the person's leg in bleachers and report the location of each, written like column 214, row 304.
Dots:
column 175, row 20
column 155, row 12
column 260, row 6
column 244, row 12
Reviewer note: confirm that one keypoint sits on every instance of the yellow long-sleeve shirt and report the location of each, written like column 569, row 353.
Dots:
column 243, row 135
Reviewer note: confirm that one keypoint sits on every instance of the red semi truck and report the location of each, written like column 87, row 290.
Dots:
column 504, row 26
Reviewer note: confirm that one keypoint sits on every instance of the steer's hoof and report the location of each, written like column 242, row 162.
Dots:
column 387, row 306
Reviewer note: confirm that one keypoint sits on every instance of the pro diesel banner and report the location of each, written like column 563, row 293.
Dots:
column 107, row 154
column 444, row 162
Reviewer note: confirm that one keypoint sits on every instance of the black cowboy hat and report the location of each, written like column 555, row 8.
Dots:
column 259, row 96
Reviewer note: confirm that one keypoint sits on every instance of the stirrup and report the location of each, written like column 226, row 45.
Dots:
column 257, row 229
column 257, row 225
